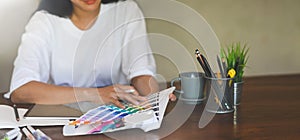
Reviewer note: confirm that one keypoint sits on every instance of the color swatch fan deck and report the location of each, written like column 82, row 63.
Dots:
column 109, row 118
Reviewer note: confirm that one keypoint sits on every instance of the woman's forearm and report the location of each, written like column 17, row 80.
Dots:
column 42, row 93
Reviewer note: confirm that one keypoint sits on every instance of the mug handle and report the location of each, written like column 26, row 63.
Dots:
column 172, row 84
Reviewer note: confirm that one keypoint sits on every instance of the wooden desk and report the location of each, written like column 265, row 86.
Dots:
column 269, row 110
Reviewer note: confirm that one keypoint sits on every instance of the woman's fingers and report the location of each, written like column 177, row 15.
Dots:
column 172, row 97
column 127, row 93
column 117, row 103
column 134, row 99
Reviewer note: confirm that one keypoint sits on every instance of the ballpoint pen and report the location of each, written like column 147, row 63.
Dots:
column 208, row 66
column 28, row 134
column 38, row 134
column 208, row 72
column 201, row 62
column 220, row 67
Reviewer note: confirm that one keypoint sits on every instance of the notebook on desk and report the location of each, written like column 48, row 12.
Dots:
column 8, row 119
column 56, row 112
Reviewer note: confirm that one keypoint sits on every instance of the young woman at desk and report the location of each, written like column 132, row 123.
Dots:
column 89, row 50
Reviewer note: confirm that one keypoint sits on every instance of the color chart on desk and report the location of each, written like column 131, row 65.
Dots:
column 108, row 118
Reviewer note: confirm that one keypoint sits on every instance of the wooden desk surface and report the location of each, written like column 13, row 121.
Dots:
column 269, row 110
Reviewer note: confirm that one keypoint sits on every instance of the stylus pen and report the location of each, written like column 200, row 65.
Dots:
column 129, row 91
column 16, row 112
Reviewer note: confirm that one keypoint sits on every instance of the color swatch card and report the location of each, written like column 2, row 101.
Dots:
column 109, row 118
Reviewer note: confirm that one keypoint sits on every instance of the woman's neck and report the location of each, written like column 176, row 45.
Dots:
column 84, row 19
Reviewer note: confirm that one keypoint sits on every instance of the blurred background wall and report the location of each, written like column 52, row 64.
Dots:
column 14, row 14
column 271, row 28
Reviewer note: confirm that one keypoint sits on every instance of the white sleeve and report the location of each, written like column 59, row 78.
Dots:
column 32, row 62
column 137, row 57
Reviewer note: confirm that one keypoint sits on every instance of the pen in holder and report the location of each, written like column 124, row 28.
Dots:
column 219, row 90
column 220, row 95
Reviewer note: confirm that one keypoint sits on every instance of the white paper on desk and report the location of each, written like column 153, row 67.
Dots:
column 8, row 119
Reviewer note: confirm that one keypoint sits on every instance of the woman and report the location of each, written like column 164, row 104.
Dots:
column 87, row 50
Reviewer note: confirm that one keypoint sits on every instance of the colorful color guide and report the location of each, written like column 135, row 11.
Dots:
column 110, row 116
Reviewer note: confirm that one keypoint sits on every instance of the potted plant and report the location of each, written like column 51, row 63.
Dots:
column 236, row 57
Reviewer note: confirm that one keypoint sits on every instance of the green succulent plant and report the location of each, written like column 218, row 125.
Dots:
column 236, row 57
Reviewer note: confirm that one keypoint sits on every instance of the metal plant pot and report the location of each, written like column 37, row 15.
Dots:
column 237, row 91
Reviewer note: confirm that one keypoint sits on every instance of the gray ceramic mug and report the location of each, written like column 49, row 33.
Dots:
column 192, row 87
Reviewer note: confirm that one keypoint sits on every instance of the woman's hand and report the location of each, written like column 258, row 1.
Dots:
column 147, row 84
column 113, row 94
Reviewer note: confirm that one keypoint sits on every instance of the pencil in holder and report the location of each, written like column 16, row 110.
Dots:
column 220, row 95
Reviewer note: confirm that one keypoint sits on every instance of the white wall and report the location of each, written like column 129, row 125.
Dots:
column 270, row 27
column 14, row 14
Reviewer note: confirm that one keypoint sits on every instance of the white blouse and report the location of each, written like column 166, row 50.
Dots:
column 113, row 51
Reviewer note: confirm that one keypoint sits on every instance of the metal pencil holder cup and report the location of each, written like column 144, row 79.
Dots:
column 220, row 95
